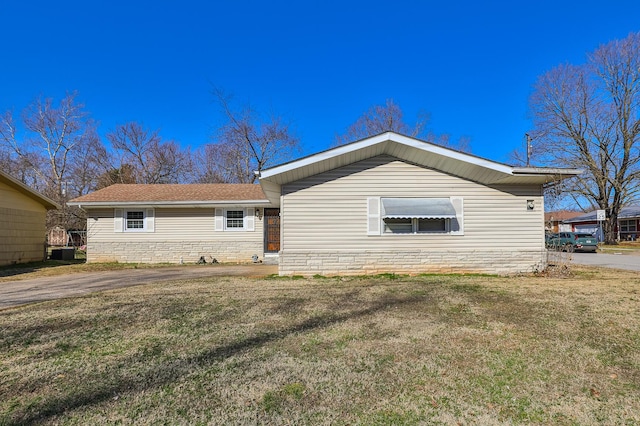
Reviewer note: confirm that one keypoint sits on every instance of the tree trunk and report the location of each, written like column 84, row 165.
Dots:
column 610, row 232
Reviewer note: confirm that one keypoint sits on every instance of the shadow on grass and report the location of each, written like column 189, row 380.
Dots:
column 25, row 268
column 163, row 374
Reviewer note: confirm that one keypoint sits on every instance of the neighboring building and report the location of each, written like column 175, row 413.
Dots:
column 628, row 227
column 23, row 214
column 58, row 236
column 388, row 203
column 174, row 223
column 554, row 220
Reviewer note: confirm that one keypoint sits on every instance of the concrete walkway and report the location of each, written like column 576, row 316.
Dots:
column 22, row 292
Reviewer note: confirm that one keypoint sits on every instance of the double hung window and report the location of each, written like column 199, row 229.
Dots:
column 135, row 220
column 234, row 219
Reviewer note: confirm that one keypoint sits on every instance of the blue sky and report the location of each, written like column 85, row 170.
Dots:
column 320, row 64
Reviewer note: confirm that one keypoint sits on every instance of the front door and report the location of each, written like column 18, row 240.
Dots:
column 271, row 230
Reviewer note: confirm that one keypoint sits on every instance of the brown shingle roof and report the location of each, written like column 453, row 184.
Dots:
column 561, row 215
column 206, row 192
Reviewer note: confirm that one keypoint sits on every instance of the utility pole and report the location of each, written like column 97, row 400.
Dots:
column 528, row 148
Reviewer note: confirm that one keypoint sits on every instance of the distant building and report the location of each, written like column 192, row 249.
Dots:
column 553, row 221
column 23, row 214
column 627, row 227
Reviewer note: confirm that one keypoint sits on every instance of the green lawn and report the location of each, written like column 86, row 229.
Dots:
column 386, row 350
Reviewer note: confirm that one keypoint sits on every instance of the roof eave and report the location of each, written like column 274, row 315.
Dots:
column 277, row 173
column 47, row 202
column 564, row 173
column 178, row 204
column 537, row 175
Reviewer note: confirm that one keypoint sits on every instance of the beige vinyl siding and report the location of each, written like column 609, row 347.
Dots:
column 22, row 227
column 171, row 224
column 329, row 211
column 14, row 199
column 179, row 235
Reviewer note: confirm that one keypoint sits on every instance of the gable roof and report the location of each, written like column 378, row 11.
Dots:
column 412, row 150
column 14, row 183
column 629, row 212
column 186, row 195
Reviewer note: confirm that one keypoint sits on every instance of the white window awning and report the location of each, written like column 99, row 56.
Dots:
column 419, row 208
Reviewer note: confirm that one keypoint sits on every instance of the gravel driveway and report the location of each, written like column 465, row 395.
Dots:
column 16, row 293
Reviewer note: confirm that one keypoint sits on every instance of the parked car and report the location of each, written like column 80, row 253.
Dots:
column 573, row 241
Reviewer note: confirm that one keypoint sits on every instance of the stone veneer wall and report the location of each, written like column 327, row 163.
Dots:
column 411, row 262
column 172, row 251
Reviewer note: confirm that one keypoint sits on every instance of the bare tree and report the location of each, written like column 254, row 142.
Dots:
column 389, row 117
column 380, row 119
column 154, row 160
column 588, row 116
column 214, row 164
column 244, row 144
column 61, row 140
column 19, row 168
column 126, row 173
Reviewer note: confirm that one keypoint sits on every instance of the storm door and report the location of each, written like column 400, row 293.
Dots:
column 271, row 230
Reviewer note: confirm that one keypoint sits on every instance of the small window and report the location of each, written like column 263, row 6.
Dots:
column 234, row 219
column 135, row 220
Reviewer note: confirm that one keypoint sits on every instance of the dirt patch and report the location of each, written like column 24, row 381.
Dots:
column 60, row 285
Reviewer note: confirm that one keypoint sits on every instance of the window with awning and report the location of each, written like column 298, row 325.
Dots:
column 417, row 208
column 415, row 215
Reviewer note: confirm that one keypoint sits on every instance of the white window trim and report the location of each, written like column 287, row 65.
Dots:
column 120, row 220
column 376, row 225
column 235, row 229
column 126, row 221
column 248, row 219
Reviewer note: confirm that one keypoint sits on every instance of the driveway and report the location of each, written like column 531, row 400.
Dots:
column 629, row 262
column 16, row 293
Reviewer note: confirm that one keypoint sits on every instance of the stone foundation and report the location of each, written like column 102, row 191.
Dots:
column 173, row 251
column 411, row 262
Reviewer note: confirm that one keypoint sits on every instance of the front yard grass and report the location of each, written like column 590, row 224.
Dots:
column 381, row 350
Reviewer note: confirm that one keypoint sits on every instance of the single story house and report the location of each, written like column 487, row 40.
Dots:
column 628, row 227
column 387, row 203
column 23, row 213
column 176, row 223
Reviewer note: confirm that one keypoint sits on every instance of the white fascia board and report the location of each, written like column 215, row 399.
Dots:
column 324, row 155
column 446, row 152
column 387, row 137
column 179, row 204
column 547, row 171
